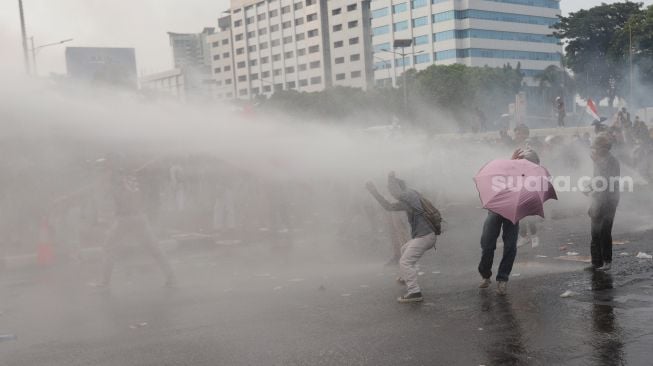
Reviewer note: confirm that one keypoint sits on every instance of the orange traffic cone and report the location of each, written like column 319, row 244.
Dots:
column 45, row 254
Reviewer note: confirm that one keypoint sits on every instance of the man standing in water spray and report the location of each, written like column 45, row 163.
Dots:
column 423, row 231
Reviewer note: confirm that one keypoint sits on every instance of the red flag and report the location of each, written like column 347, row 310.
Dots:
column 591, row 109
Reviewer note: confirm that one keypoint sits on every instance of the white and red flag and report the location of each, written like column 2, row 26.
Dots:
column 591, row 109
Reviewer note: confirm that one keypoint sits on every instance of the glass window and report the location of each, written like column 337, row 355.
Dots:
column 337, row 44
column 340, row 76
column 336, row 11
column 260, row 17
column 303, row 82
column 311, row 2
column 238, row 23
column 301, row 67
column 353, row 41
column 301, row 52
column 275, row 42
column 262, row 31
column 241, row 64
column 377, row 31
column 351, row 7
column 382, row 47
column 337, row 27
column 286, row 25
column 298, row 6
column 316, row 80
column 216, row 57
column 225, row 55
column 300, row 37
column 242, row 78
column 273, row 13
column 287, row 39
column 263, row 46
column 422, row 58
column 355, row 74
column 239, row 37
column 312, row 33
column 339, row 60
column 276, row 57
column 421, row 40
column 299, row 21
column 288, row 54
column 380, row 13
column 421, row 21
column 352, row 24
column 311, row 17
column 274, row 27
column 399, row 8
column 314, row 49
column 399, row 26
column 290, row 85
column 290, row 70
column 314, row 64
column 418, row 3
column 285, row 9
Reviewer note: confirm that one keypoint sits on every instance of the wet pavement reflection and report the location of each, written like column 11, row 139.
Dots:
column 607, row 337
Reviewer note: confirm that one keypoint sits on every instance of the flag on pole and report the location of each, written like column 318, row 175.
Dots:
column 591, row 110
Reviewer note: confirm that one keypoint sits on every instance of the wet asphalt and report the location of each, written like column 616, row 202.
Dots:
column 253, row 307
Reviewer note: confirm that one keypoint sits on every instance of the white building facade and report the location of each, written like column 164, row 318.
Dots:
column 306, row 45
column 471, row 32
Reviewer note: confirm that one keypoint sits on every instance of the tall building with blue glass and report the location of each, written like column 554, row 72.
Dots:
column 471, row 32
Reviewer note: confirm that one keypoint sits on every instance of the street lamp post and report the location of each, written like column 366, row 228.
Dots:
column 385, row 63
column 403, row 43
column 24, row 35
column 36, row 49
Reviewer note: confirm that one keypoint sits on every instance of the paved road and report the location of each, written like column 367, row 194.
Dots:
column 313, row 307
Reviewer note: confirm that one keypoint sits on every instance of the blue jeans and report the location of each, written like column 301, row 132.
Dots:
column 491, row 230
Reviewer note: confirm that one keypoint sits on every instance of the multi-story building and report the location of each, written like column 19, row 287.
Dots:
column 191, row 50
column 472, row 32
column 305, row 45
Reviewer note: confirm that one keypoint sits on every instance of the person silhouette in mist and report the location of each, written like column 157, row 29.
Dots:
column 422, row 235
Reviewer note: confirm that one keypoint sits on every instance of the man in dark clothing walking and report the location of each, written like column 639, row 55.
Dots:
column 494, row 224
column 422, row 234
column 605, row 199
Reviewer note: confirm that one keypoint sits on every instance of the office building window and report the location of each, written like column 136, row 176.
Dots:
column 301, row 67
column 377, row 31
column 355, row 74
column 242, row 78
column 351, row 7
column 423, row 58
column 262, row 31
column 298, row 6
column 217, row 70
column 263, row 46
column 381, row 47
column 267, row 88
column 316, row 80
column 289, row 54
column 225, row 41
column 311, row 17
column 251, row 48
column 340, row 60
column 312, row 33
column 251, row 34
column 242, row 92
column 240, row 51
column 353, row 41
column 285, row 9
column 421, row 21
column 260, row 17
column 275, row 42
column 352, row 24
column 287, row 40
column 276, row 57
column 301, row 52
column 290, row 85
column 300, row 37
column 265, row 74
column 290, row 70
column 241, row 64
column 380, row 13
column 238, row 23
column 337, row 44
column 215, row 44
column 299, row 21
column 253, row 77
column 303, row 82
column 227, row 81
column 249, row 20
column 421, row 40
column 216, row 57
column 273, row 13
column 286, row 25
column 314, row 64
column 355, row 57
column 227, row 68
column 399, row 8
column 337, row 27
column 276, row 72
column 239, row 37
column 399, row 26
column 255, row 91
column 311, row 2
column 340, row 76
column 265, row 60
column 418, row 3
column 314, row 49
column 274, row 28
column 336, row 11
column 253, row 62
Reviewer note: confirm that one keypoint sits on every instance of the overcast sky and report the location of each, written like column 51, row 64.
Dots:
column 141, row 24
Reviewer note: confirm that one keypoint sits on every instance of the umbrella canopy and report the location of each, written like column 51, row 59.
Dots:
column 514, row 189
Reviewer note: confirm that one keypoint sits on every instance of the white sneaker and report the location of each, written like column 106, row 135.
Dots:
column 502, row 288
column 485, row 283
column 523, row 240
column 535, row 242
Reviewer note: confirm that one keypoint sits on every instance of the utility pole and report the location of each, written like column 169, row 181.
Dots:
column 24, row 35
column 630, row 52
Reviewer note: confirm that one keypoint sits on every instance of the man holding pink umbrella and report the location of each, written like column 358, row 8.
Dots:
column 510, row 190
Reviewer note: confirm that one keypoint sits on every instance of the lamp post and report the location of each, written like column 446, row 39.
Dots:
column 403, row 43
column 385, row 63
column 24, row 35
column 36, row 49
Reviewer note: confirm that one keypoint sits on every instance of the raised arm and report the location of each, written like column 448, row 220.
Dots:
column 397, row 206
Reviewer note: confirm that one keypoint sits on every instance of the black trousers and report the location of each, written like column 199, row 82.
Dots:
column 602, row 235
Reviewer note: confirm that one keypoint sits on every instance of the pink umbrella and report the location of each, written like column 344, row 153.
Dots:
column 514, row 189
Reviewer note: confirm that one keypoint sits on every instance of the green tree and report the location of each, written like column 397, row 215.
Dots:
column 590, row 36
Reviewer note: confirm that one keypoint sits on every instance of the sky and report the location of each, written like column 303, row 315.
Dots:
column 141, row 24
